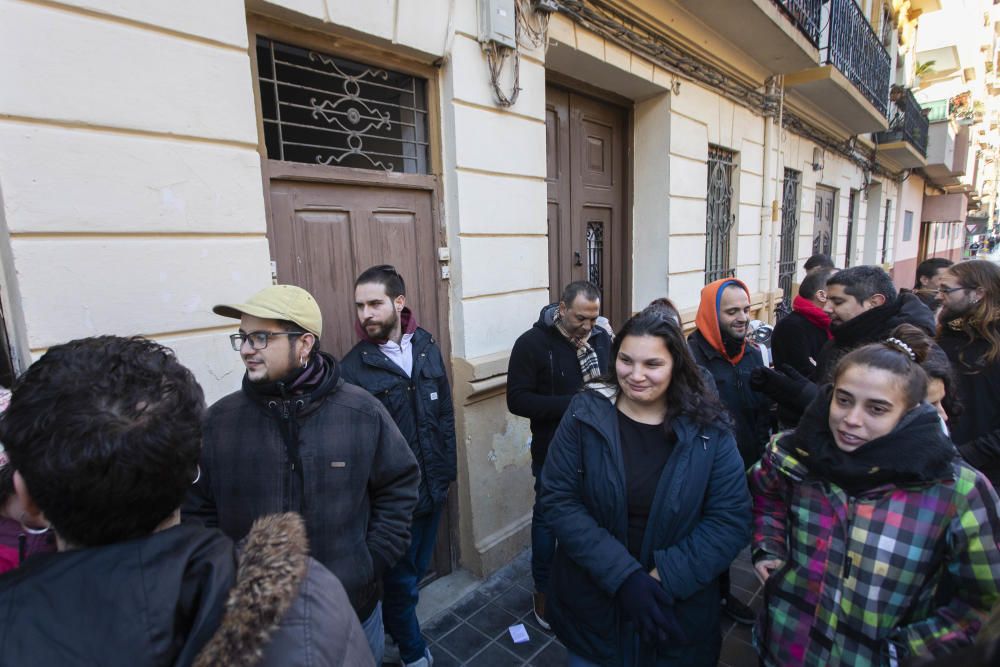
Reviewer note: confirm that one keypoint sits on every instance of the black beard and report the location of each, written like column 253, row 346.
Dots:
column 384, row 330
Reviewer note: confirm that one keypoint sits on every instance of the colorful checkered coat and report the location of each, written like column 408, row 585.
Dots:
column 896, row 571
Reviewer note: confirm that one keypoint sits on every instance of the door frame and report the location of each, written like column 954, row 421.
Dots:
column 624, row 287
column 276, row 170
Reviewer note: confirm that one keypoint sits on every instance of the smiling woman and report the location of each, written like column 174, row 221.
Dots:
column 867, row 502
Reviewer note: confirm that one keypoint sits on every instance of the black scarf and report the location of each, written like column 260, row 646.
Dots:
column 868, row 327
column 733, row 346
column 917, row 451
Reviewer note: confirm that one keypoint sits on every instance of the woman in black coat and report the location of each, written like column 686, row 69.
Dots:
column 646, row 494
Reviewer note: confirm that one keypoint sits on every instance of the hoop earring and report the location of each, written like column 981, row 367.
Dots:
column 304, row 361
column 32, row 531
column 198, row 476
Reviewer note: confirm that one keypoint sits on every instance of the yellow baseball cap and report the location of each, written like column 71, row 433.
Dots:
column 279, row 302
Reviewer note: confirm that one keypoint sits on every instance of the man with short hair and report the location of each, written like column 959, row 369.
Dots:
column 925, row 285
column 719, row 344
column 799, row 336
column 400, row 364
column 298, row 438
column 818, row 261
column 548, row 365
column 969, row 333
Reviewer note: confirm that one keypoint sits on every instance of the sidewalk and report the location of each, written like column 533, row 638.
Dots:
column 473, row 631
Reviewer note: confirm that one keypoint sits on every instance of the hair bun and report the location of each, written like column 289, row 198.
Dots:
column 902, row 347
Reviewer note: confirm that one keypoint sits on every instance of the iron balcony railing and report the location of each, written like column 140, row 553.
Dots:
column 805, row 14
column 854, row 48
column 907, row 123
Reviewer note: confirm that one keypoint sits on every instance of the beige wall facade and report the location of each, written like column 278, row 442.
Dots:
column 132, row 197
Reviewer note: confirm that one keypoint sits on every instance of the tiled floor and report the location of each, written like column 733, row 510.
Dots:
column 474, row 631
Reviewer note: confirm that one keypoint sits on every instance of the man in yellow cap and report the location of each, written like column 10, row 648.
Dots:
column 297, row 438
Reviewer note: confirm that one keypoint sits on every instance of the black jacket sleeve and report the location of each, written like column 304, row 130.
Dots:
column 982, row 452
column 789, row 348
column 523, row 399
column 199, row 505
column 446, row 421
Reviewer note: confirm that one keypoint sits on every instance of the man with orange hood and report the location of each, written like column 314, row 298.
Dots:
column 720, row 346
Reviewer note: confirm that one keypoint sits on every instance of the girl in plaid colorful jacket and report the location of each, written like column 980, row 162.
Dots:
column 874, row 540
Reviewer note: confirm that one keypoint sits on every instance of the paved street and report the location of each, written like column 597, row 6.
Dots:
column 474, row 630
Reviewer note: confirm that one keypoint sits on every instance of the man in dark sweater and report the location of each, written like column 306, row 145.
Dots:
column 799, row 336
column 549, row 364
column 719, row 345
column 969, row 293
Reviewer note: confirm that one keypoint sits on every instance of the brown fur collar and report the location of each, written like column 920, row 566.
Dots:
column 272, row 565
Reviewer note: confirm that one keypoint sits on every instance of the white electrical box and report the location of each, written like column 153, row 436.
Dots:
column 496, row 22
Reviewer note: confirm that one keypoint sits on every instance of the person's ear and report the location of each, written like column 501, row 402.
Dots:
column 399, row 302
column 32, row 515
column 821, row 295
column 877, row 300
column 979, row 293
column 306, row 342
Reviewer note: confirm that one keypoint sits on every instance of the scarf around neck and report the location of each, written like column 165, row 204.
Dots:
column 300, row 381
column 915, row 452
column 813, row 314
column 586, row 355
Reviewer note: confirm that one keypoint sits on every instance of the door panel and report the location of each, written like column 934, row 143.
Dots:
column 823, row 221
column 585, row 142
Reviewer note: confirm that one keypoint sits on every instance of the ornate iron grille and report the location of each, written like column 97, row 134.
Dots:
column 720, row 218
column 595, row 254
column 853, row 47
column 908, row 121
column 822, row 232
column 326, row 110
column 851, row 216
column 789, row 232
column 805, row 14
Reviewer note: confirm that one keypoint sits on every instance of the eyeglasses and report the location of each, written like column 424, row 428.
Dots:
column 949, row 290
column 258, row 339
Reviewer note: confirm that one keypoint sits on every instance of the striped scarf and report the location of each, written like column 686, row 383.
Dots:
column 590, row 368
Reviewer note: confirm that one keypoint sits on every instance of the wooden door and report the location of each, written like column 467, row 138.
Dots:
column 823, row 221
column 324, row 234
column 587, row 222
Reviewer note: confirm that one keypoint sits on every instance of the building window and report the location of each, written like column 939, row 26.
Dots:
column 907, row 225
column 595, row 254
column 789, row 233
column 322, row 109
column 886, row 231
column 720, row 217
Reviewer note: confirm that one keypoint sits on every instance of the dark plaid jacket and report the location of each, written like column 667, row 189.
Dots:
column 358, row 486
column 894, row 572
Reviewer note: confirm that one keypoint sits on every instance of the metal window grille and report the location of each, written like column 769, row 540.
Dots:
column 595, row 254
column 789, row 232
column 322, row 109
column 851, row 215
column 720, row 217
column 822, row 231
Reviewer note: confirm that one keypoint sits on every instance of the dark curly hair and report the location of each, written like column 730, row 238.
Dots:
column 106, row 433
column 687, row 394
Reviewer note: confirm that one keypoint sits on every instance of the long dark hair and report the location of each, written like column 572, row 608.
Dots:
column 890, row 356
column 687, row 394
column 984, row 321
column 935, row 363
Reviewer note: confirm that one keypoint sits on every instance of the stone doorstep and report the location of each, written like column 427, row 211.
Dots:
column 444, row 592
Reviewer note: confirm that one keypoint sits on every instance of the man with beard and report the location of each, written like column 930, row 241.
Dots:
column 928, row 278
column 298, row 438
column 969, row 333
column 719, row 345
column 863, row 307
column 401, row 365
column 549, row 364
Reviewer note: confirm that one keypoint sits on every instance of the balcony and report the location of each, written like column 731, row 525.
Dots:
column 905, row 142
column 781, row 35
column 851, row 85
column 947, row 153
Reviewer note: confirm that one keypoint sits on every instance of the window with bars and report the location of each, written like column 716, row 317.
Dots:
column 789, row 233
column 323, row 109
column 719, row 215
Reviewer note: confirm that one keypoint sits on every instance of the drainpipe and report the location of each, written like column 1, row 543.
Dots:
column 774, row 91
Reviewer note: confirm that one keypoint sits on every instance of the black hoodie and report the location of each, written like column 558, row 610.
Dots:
column 544, row 374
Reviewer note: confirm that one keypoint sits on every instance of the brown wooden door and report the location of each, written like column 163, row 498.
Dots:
column 585, row 150
column 324, row 234
column 823, row 221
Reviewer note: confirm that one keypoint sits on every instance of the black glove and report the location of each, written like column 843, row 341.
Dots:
column 648, row 607
column 786, row 387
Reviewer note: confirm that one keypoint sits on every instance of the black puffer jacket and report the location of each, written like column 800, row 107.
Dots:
column 872, row 326
column 182, row 596
column 420, row 404
column 544, row 374
column 355, row 483
column 977, row 430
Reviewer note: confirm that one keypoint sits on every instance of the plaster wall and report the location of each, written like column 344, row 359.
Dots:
column 155, row 108
column 908, row 248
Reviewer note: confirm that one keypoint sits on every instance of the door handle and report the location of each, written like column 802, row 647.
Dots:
column 577, row 260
